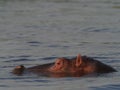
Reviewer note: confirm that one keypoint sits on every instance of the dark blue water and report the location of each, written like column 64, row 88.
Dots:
column 34, row 32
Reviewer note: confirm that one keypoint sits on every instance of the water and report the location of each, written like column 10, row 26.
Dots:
column 34, row 32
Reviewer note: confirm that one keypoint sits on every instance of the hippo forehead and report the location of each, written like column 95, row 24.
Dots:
column 65, row 60
column 62, row 59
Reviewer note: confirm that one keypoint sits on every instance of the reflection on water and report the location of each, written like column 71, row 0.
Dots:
column 34, row 32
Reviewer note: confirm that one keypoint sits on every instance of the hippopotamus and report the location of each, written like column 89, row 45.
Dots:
column 64, row 67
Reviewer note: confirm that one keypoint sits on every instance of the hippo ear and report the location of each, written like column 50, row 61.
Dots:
column 78, row 60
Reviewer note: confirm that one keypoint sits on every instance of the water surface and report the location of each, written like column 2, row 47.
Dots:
column 34, row 32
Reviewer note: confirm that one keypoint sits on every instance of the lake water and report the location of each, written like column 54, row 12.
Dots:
column 34, row 32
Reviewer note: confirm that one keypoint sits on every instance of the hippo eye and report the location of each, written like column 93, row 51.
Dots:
column 58, row 63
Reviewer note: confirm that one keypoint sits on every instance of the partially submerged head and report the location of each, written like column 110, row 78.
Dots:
column 66, row 65
column 73, row 66
column 79, row 66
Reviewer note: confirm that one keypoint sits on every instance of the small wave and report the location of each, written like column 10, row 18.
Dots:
column 107, row 87
column 4, row 86
column 34, row 43
column 18, row 60
column 58, row 46
column 94, row 29
column 48, row 58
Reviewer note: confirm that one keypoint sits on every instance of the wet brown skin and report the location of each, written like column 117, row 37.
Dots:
column 63, row 67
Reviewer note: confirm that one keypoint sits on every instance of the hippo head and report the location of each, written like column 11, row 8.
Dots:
column 63, row 65
column 77, row 66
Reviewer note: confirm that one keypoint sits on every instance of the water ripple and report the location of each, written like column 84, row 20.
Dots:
column 18, row 60
column 96, row 29
column 48, row 58
column 4, row 86
column 34, row 43
column 106, row 87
